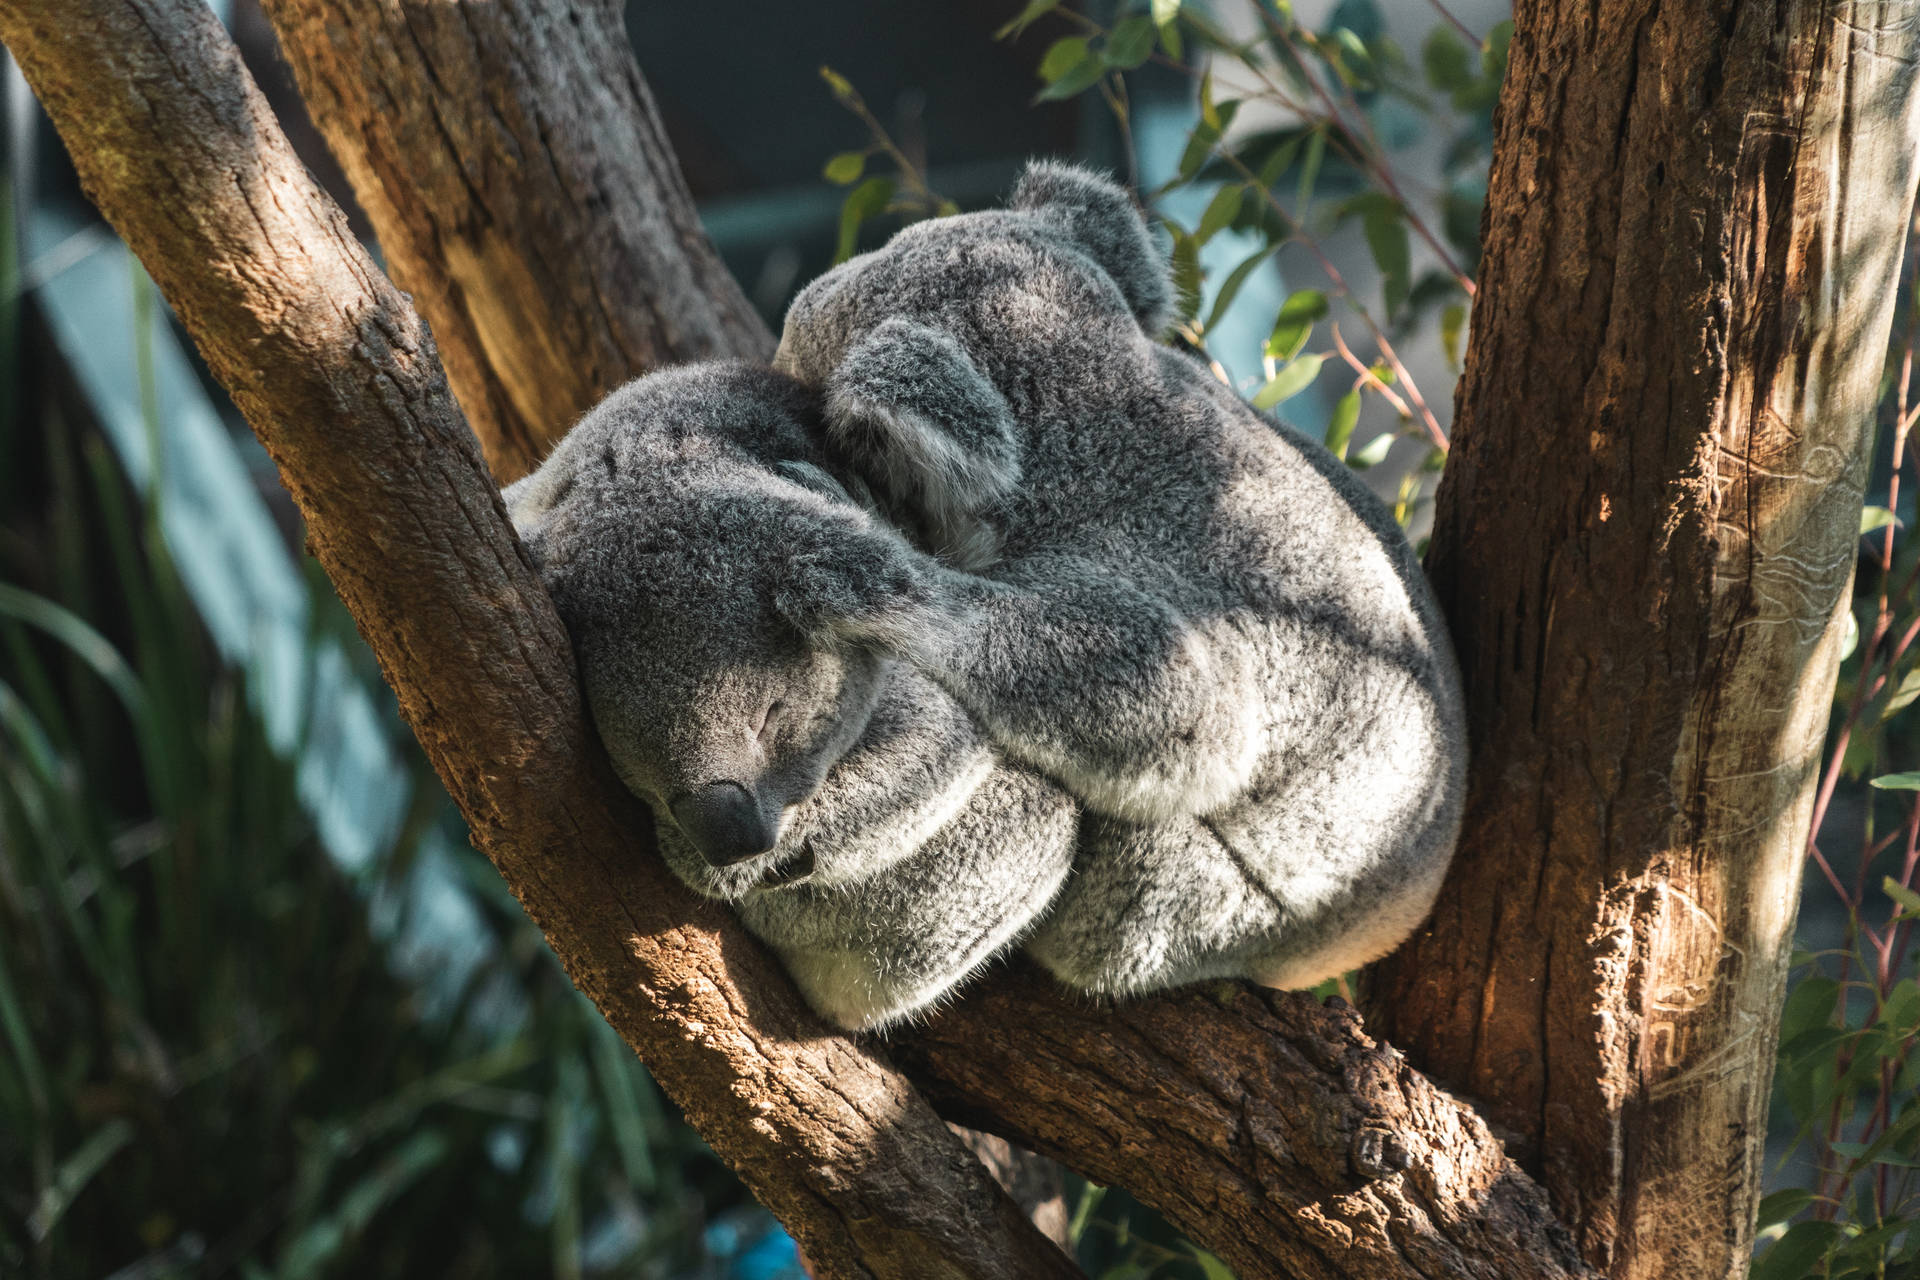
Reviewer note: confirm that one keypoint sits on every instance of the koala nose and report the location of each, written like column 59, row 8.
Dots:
column 724, row 822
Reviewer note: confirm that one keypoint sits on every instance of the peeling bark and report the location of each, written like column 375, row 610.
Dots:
column 513, row 162
column 1644, row 542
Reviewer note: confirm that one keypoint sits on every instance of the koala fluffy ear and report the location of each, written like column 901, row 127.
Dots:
column 1100, row 217
column 529, row 501
column 850, row 581
column 927, row 429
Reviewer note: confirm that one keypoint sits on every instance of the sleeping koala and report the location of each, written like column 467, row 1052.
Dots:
column 1195, row 620
column 730, row 607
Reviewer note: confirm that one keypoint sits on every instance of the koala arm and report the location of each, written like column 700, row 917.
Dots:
column 931, row 857
column 1099, row 682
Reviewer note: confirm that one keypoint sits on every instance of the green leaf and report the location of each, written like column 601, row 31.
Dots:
column 1221, row 211
column 1280, row 161
column 1809, row 1007
column 1900, row 1011
column 1130, row 44
column 842, row 87
column 1210, row 1266
column 1782, row 1205
column 1289, row 382
column 1386, row 234
column 1897, row 782
column 845, row 167
column 1164, row 12
column 1374, row 452
column 1453, row 322
column 75, row 1172
column 1340, row 428
column 1295, row 322
column 1909, row 690
column 1199, row 146
column 1872, row 518
column 1186, row 273
column 1209, row 114
column 1309, row 172
column 1062, row 56
column 1448, row 61
column 1075, row 80
column 865, row 200
column 1230, row 287
column 1353, row 62
column 1035, row 10
column 1909, row 900
column 1794, row 1255
column 1493, row 54
column 1170, row 40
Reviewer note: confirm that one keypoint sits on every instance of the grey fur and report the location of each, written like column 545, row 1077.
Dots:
column 709, row 566
column 1034, row 593
column 1195, row 621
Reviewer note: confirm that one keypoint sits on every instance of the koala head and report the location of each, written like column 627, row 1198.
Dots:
column 931, row 351
column 1069, row 252
column 733, row 611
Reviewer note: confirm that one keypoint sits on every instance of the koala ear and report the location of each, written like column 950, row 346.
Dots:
column 1100, row 217
column 850, row 581
column 924, row 425
column 528, row 504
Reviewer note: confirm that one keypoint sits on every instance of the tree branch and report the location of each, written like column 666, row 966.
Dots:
column 1266, row 1126
column 340, row 379
column 525, row 195
column 1272, row 1131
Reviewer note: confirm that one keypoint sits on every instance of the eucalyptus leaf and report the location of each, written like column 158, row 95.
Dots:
column 1230, row 287
column 1062, row 56
column 1340, row 428
column 1907, row 898
column 1221, row 211
column 1374, row 452
column 1289, row 382
column 1032, row 13
column 845, row 167
column 1386, row 233
column 1077, row 79
column 1448, row 61
column 1897, row 782
column 1291, row 328
column 1131, row 43
column 865, row 200
column 1453, row 323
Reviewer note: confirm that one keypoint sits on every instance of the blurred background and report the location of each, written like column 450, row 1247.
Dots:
column 263, row 1012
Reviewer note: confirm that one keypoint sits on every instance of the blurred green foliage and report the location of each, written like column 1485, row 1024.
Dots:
column 209, row 1063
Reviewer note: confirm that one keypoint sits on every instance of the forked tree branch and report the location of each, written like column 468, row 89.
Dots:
column 523, row 187
column 1270, row 1130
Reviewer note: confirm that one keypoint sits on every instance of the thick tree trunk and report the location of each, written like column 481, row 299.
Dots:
column 510, row 157
column 1644, row 541
column 340, row 379
column 333, row 368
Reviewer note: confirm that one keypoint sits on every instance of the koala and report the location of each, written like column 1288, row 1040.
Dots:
column 1192, row 618
column 732, row 610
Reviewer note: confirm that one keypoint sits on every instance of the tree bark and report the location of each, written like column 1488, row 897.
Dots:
column 1644, row 542
column 524, row 193
column 340, row 379
column 1266, row 1126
